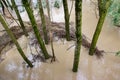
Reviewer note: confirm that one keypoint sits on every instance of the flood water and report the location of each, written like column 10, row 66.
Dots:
column 90, row 68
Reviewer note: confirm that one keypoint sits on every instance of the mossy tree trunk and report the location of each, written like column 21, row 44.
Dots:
column 78, row 13
column 19, row 17
column 99, row 27
column 36, row 31
column 66, row 16
column 43, row 21
column 51, row 34
column 15, row 41
column 3, row 4
column 48, row 9
column 100, row 4
column 9, row 4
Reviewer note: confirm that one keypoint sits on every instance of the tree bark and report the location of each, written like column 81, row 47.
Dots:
column 66, row 16
column 99, row 27
column 15, row 41
column 100, row 4
column 43, row 22
column 48, row 9
column 36, row 31
column 57, row 29
column 19, row 17
column 3, row 4
column 9, row 5
column 78, row 13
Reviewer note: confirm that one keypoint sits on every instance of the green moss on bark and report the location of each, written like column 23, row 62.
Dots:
column 15, row 41
column 66, row 15
column 99, row 27
column 34, row 26
column 78, row 13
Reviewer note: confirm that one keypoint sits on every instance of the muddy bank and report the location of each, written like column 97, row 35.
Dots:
column 57, row 30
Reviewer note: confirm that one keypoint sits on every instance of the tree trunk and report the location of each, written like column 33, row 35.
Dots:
column 3, row 4
column 48, row 9
column 66, row 15
column 43, row 22
column 99, row 27
column 78, row 13
column 50, row 32
column 57, row 29
column 15, row 41
column 100, row 4
column 36, row 31
column 9, row 4
column 19, row 17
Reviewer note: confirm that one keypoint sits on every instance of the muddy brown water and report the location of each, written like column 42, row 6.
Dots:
column 90, row 68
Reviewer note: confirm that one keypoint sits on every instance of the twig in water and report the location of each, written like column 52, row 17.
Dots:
column 71, row 8
column 70, row 47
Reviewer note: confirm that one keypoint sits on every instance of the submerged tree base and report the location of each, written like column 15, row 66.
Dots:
column 57, row 29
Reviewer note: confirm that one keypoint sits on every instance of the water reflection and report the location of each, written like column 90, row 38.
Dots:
column 90, row 68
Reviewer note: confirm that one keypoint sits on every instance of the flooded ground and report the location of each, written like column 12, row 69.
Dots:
column 90, row 68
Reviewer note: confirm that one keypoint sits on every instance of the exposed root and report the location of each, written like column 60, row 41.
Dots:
column 53, row 59
column 86, row 44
